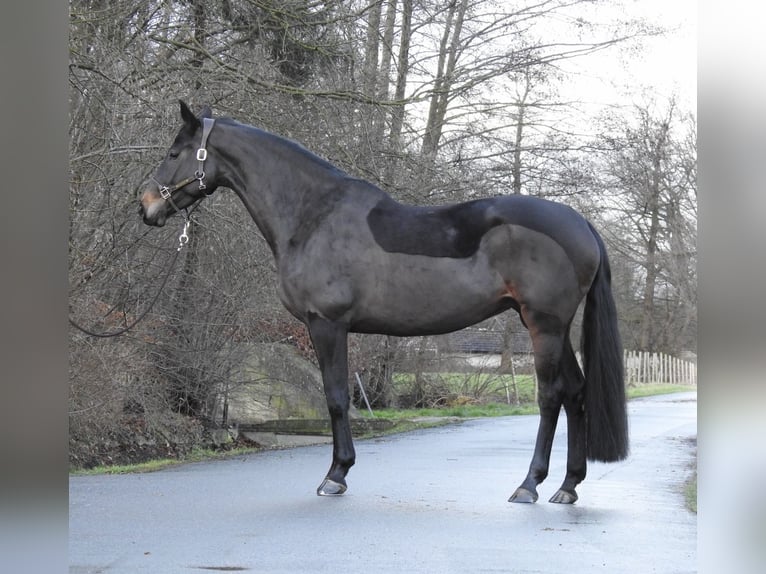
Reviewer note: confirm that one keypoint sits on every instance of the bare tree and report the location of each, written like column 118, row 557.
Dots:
column 652, row 170
column 437, row 102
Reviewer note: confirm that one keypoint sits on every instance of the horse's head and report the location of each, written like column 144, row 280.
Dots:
column 187, row 173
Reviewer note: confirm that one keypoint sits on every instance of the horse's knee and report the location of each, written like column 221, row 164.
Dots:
column 338, row 400
column 337, row 410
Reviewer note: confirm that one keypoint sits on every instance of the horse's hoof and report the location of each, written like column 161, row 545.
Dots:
column 331, row 488
column 564, row 497
column 523, row 495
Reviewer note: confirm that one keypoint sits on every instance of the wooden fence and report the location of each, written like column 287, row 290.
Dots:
column 642, row 367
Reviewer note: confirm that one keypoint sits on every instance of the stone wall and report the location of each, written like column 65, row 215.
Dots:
column 274, row 382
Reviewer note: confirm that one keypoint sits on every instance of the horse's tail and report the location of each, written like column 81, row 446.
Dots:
column 605, row 408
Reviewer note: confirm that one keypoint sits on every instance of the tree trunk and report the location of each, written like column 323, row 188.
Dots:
column 388, row 394
column 506, row 358
column 654, row 190
column 384, row 73
column 397, row 111
column 383, row 80
column 372, row 50
column 521, row 106
column 444, row 78
column 188, row 395
column 200, row 25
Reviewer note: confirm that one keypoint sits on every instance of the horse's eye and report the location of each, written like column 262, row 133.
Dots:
column 173, row 154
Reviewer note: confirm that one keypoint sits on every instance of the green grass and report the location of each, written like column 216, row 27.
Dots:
column 528, row 407
column 475, row 385
column 652, row 389
column 457, row 379
column 196, row 455
column 690, row 493
column 690, row 486
column 461, row 411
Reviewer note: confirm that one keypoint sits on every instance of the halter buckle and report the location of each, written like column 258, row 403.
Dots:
column 201, row 154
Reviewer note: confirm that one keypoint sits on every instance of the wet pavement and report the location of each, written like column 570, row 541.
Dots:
column 431, row 501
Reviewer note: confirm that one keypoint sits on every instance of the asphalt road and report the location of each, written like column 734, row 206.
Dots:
column 430, row 501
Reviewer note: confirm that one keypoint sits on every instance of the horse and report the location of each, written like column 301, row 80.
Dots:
column 350, row 258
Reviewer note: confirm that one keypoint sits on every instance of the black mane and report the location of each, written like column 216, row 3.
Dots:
column 278, row 141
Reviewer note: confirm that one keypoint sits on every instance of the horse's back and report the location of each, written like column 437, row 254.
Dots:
column 459, row 230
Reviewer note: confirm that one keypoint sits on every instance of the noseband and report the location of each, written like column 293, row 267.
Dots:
column 199, row 175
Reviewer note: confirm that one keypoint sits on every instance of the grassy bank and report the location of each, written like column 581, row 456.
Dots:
column 196, row 455
column 690, row 493
column 460, row 411
column 407, row 420
column 499, row 409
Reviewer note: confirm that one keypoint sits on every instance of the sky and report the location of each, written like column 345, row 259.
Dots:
column 670, row 63
column 662, row 66
column 647, row 71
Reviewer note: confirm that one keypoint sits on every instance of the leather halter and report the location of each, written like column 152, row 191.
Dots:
column 199, row 175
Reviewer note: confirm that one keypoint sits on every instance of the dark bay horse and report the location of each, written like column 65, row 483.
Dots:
column 352, row 259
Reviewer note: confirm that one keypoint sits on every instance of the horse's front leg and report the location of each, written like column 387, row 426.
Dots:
column 330, row 341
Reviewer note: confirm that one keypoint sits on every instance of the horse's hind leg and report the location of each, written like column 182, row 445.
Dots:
column 574, row 385
column 331, row 346
column 547, row 334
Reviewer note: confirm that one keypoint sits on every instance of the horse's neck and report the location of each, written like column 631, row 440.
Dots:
column 279, row 187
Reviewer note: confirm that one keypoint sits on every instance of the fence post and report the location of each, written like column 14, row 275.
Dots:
column 642, row 367
column 364, row 395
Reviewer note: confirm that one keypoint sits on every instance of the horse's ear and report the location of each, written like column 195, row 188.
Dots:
column 206, row 112
column 188, row 116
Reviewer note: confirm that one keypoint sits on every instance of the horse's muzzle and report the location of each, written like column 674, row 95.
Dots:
column 152, row 209
column 156, row 220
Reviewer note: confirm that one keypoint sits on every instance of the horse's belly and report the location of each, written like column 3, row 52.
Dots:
column 419, row 295
column 420, row 323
